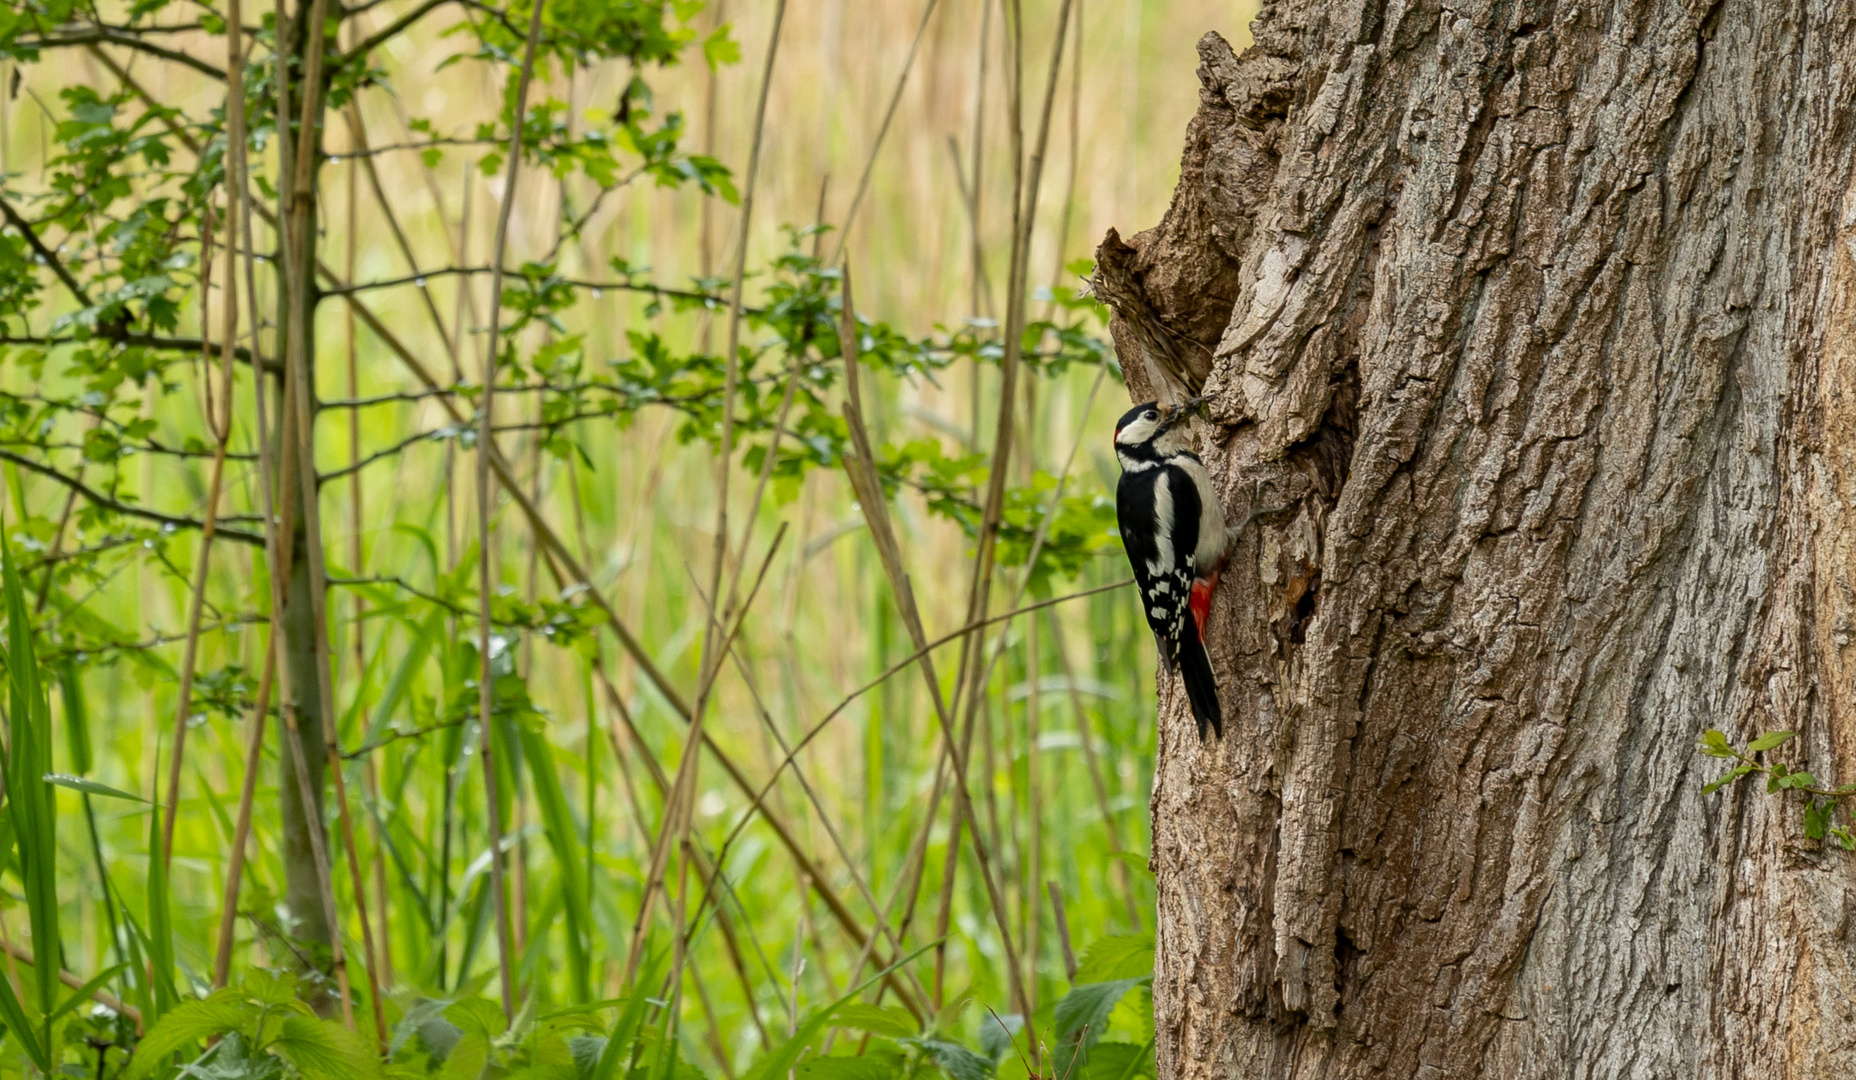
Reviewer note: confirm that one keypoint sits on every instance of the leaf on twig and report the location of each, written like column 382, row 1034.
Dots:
column 1770, row 740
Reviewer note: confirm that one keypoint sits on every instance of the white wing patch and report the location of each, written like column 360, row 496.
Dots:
column 1162, row 564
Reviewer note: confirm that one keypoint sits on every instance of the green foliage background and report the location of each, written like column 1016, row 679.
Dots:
column 611, row 387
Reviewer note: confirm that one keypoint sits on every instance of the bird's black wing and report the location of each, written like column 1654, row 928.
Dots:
column 1162, row 563
column 1163, row 571
column 1187, row 513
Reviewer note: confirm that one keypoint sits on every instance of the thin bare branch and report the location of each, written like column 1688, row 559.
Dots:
column 45, row 254
column 98, row 498
column 146, row 341
column 386, row 33
column 100, row 995
column 111, row 36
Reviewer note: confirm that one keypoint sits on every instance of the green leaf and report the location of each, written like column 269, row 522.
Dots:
column 1714, row 744
column 467, row 1059
column 564, row 840
column 478, row 1016
column 997, row 1033
column 79, row 783
column 183, row 1026
column 718, row 49
column 844, row 1068
column 325, row 1050
column 266, row 988
column 76, row 717
column 1770, row 740
column 1117, row 1061
column 958, row 1062
column 1816, row 818
column 891, row 1022
column 1109, row 958
column 82, row 993
column 28, row 797
column 1081, row 1015
column 626, row 1025
column 782, row 1057
column 13, row 1018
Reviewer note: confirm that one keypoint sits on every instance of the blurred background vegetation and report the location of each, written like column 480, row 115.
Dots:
column 727, row 929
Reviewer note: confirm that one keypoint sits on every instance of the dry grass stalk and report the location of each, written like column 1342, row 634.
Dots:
column 220, row 423
column 1026, row 178
column 677, row 812
column 486, row 449
column 1097, row 782
column 241, row 831
column 15, row 951
column 237, row 183
column 876, row 146
column 1062, row 922
column 862, row 468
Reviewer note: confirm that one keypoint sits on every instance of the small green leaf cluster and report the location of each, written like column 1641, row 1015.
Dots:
column 644, row 33
column 1820, row 814
column 1071, row 1030
column 796, row 330
column 25, row 20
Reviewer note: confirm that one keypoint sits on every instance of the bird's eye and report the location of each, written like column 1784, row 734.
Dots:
column 1152, row 415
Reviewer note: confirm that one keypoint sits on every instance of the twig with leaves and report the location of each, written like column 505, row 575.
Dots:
column 1820, row 809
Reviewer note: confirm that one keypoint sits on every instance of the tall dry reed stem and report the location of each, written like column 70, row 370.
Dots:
column 676, row 821
column 238, row 183
column 220, row 424
column 1026, row 177
column 862, row 467
column 486, row 449
column 876, row 147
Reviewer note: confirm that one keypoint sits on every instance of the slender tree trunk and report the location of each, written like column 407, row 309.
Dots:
column 1530, row 329
column 302, row 887
column 297, row 299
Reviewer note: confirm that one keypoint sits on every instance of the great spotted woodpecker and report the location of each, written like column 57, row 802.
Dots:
column 1173, row 530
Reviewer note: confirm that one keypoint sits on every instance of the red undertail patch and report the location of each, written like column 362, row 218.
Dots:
column 1201, row 602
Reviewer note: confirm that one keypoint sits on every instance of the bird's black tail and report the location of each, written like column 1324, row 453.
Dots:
column 1195, row 670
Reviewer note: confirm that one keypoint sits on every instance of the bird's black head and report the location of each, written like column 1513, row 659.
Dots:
column 1143, row 424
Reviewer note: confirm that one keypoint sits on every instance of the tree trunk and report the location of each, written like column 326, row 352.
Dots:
column 302, row 883
column 1530, row 330
column 297, row 215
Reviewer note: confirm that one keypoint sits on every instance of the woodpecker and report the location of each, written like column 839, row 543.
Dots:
column 1173, row 530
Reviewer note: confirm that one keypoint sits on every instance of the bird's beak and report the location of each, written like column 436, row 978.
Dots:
column 1177, row 414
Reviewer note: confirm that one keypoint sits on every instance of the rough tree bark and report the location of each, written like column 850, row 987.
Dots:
column 1531, row 331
